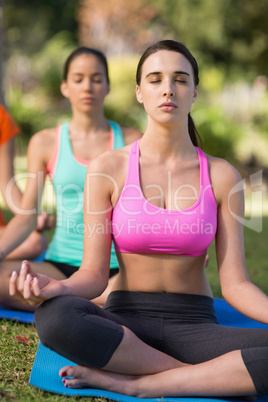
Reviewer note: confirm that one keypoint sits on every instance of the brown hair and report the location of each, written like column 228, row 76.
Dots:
column 88, row 51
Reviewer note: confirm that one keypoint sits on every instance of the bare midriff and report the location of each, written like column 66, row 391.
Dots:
column 162, row 274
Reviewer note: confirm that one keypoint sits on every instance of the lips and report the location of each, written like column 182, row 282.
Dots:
column 171, row 104
column 168, row 106
column 87, row 100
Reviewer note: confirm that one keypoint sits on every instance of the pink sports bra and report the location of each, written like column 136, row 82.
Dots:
column 140, row 227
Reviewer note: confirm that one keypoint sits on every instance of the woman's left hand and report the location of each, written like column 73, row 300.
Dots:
column 32, row 288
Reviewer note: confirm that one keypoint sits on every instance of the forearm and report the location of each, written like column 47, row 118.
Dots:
column 249, row 300
column 85, row 283
column 13, row 198
column 11, row 192
column 17, row 230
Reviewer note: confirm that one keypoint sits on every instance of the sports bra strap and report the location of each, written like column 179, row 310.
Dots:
column 118, row 135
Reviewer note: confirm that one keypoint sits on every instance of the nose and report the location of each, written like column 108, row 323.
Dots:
column 168, row 89
column 88, row 85
column 168, row 93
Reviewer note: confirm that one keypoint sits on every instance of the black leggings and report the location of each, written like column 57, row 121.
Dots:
column 182, row 326
column 68, row 269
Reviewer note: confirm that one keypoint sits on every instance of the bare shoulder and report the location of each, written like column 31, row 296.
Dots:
column 130, row 134
column 44, row 137
column 222, row 171
column 42, row 143
column 224, row 176
column 110, row 170
column 110, row 162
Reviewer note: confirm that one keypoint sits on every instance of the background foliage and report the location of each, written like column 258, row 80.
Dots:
column 228, row 38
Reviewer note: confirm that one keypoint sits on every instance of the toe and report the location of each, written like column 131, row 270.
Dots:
column 66, row 371
column 74, row 383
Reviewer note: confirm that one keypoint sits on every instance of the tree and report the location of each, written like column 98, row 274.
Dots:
column 228, row 33
column 231, row 34
column 116, row 27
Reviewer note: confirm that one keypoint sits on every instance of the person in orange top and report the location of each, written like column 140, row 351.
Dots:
column 8, row 130
column 36, row 243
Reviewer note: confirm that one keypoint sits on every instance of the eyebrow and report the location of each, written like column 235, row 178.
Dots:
column 81, row 74
column 175, row 72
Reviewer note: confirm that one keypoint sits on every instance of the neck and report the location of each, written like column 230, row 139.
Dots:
column 88, row 124
column 167, row 140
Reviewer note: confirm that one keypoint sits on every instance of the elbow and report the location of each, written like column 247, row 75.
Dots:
column 225, row 293
column 102, row 286
column 98, row 281
column 231, row 292
column 228, row 291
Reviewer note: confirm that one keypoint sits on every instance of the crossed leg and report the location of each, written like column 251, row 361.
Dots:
column 130, row 366
column 223, row 376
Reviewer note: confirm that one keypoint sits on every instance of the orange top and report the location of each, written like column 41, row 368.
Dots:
column 2, row 219
column 8, row 128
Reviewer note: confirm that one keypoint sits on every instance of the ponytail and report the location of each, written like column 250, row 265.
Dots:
column 195, row 137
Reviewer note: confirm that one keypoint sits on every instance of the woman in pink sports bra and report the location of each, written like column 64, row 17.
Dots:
column 63, row 153
column 162, row 201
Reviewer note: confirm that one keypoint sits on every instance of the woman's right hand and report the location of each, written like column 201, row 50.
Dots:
column 45, row 222
column 32, row 288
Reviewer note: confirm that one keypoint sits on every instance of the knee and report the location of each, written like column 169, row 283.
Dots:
column 4, row 284
column 256, row 362
column 51, row 318
column 58, row 319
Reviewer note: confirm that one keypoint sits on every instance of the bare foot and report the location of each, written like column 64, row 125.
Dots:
column 87, row 377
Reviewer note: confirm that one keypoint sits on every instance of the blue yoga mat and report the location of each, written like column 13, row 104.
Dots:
column 45, row 371
column 15, row 315
column 41, row 257
column 226, row 315
column 45, row 375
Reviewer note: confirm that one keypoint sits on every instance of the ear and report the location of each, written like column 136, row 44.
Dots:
column 195, row 94
column 64, row 89
column 138, row 94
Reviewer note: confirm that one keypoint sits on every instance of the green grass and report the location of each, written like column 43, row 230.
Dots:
column 16, row 362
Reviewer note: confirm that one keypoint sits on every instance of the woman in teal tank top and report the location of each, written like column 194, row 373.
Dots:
column 64, row 153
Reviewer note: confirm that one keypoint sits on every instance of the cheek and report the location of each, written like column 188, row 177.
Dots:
column 102, row 91
column 74, row 90
column 74, row 94
column 148, row 95
column 187, row 95
column 149, row 105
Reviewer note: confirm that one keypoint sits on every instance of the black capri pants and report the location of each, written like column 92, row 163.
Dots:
column 182, row 326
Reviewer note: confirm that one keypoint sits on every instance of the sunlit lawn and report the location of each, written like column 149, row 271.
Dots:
column 16, row 363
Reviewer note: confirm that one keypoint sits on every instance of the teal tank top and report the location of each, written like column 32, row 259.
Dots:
column 68, row 178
